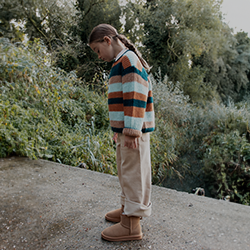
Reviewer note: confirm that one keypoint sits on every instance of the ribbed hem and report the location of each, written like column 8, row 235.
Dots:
column 132, row 132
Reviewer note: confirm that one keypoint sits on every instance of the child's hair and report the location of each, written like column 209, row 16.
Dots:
column 102, row 30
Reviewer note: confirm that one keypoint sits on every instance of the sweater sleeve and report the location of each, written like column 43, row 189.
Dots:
column 135, row 94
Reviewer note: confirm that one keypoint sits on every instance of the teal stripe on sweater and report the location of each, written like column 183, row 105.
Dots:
column 116, row 70
column 117, row 130
column 119, row 70
column 115, row 101
column 133, row 69
column 134, row 103
column 147, row 130
column 150, row 100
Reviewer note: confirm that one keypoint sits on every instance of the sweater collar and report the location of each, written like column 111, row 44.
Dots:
column 120, row 54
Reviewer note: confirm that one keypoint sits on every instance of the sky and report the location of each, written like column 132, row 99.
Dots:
column 237, row 14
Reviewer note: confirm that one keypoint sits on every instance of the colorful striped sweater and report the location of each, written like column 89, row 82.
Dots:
column 130, row 99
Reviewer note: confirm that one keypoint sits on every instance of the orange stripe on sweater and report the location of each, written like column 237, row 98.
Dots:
column 150, row 107
column 134, row 112
column 134, row 95
column 139, row 65
column 134, row 77
column 115, row 79
column 125, row 62
column 115, row 107
column 115, row 95
column 117, row 124
column 148, row 125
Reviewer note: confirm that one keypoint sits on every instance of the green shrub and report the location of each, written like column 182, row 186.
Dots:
column 216, row 136
column 226, row 155
column 227, row 165
column 47, row 113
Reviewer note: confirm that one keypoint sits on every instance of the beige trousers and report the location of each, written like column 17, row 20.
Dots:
column 134, row 172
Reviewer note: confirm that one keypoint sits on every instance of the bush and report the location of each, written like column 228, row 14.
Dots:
column 227, row 157
column 171, row 106
column 215, row 136
column 47, row 113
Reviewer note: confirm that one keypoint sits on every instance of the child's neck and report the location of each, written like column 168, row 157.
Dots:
column 118, row 47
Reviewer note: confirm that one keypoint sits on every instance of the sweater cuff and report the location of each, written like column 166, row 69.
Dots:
column 132, row 132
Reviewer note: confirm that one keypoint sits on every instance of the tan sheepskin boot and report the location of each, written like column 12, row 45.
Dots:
column 128, row 229
column 115, row 215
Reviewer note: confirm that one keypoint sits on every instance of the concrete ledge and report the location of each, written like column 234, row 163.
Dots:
column 45, row 205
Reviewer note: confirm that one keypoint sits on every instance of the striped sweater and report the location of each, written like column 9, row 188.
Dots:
column 130, row 99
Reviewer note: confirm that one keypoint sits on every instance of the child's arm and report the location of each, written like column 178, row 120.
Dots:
column 135, row 89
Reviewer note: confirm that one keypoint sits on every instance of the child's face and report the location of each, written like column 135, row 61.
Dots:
column 104, row 50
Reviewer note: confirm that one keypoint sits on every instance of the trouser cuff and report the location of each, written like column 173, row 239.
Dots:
column 132, row 208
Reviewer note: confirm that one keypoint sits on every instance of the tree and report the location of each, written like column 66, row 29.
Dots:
column 9, row 11
column 177, row 33
column 89, row 14
column 44, row 19
column 243, row 61
column 64, row 27
column 229, row 72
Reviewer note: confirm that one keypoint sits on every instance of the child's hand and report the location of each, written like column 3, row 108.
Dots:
column 131, row 142
column 115, row 137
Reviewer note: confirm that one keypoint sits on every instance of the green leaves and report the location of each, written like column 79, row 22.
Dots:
column 176, row 34
column 47, row 113
column 226, row 163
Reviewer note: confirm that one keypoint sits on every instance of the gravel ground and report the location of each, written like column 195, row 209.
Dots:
column 45, row 205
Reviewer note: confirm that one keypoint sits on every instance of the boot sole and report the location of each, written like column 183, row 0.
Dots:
column 122, row 238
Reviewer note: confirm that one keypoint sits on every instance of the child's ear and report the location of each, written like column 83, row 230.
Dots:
column 107, row 39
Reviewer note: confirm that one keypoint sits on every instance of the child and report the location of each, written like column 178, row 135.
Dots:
column 131, row 117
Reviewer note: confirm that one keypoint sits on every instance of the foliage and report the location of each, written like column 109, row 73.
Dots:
column 215, row 135
column 9, row 10
column 109, row 11
column 47, row 20
column 229, row 72
column 47, row 113
column 171, row 140
column 63, row 27
column 189, row 42
column 227, row 156
column 176, row 32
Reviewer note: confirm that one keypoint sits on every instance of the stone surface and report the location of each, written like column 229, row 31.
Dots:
column 46, row 205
